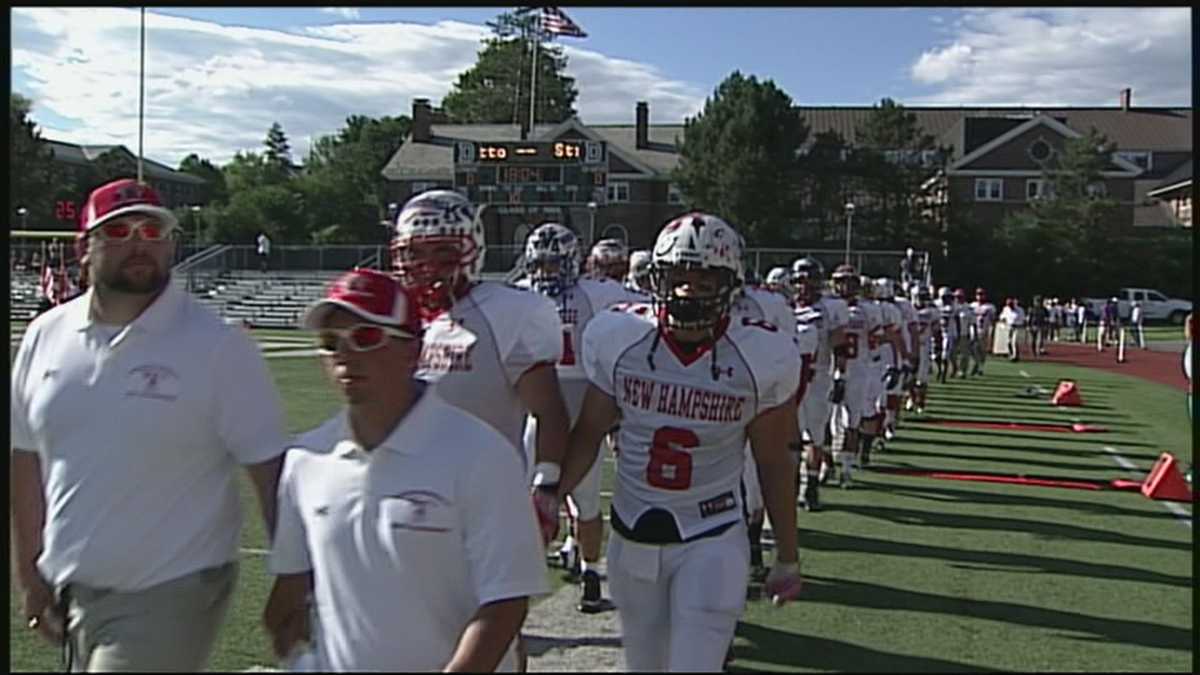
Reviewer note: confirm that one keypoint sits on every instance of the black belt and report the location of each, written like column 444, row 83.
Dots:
column 656, row 526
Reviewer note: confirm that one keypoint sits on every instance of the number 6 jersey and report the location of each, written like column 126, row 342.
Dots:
column 684, row 416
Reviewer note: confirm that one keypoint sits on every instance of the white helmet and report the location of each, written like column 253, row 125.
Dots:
column 552, row 243
column 697, row 241
column 609, row 258
column 777, row 277
column 437, row 216
column 639, row 270
column 885, row 289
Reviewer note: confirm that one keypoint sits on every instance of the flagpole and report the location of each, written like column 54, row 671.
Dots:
column 537, row 40
column 142, row 96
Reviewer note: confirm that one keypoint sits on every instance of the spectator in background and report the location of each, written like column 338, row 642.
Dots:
column 1039, row 326
column 1056, row 319
column 1070, row 320
column 1135, row 321
column 1189, row 334
column 264, row 250
column 1014, row 317
column 1081, row 313
column 1110, row 325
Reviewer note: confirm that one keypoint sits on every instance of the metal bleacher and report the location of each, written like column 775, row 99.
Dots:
column 263, row 299
column 23, row 295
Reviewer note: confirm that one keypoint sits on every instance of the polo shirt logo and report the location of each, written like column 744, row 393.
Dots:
column 418, row 510
column 153, row 381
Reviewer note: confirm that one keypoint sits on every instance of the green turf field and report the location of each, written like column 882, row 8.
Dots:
column 917, row 574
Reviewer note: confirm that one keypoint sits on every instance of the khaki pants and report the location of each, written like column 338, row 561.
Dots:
column 170, row 627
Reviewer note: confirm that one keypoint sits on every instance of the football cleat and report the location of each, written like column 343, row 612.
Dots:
column 592, row 602
column 812, row 498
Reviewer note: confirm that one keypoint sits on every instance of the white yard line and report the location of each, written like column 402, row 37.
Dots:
column 1023, row 373
column 1183, row 515
column 254, row 551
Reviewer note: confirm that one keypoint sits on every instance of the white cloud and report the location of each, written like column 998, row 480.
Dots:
column 1068, row 56
column 344, row 12
column 214, row 89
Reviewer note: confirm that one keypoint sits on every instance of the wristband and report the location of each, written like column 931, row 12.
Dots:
column 546, row 474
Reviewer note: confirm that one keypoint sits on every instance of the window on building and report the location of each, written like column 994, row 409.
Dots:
column 989, row 189
column 1143, row 159
column 1040, row 150
column 1037, row 188
column 1097, row 190
column 618, row 192
column 674, row 195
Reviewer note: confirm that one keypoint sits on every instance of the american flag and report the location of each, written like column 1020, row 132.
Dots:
column 555, row 22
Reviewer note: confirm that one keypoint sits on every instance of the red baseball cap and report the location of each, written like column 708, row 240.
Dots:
column 121, row 197
column 371, row 295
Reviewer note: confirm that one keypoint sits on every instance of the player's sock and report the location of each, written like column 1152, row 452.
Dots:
column 866, row 442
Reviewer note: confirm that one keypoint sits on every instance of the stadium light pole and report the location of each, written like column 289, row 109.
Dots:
column 142, row 97
column 849, row 225
column 195, row 209
column 23, row 212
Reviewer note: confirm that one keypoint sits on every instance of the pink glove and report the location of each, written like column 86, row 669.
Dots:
column 784, row 583
column 545, row 505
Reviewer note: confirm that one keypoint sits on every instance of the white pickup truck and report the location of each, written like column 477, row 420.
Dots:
column 1155, row 305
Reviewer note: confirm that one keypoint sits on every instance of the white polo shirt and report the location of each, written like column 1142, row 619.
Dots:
column 408, row 541
column 138, row 438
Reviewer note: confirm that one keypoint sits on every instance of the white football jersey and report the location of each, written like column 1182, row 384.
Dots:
column 759, row 303
column 985, row 316
column 827, row 315
column 684, row 417
column 908, row 317
column 890, row 318
column 927, row 317
column 576, row 307
column 950, row 320
column 808, row 342
column 477, row 351
column 861, row 322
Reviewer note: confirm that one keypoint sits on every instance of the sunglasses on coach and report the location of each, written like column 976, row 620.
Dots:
column 122, row 230
column 362, row 337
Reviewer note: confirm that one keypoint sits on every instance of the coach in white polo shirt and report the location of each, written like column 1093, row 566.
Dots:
column 400, row 509
column 131, row 407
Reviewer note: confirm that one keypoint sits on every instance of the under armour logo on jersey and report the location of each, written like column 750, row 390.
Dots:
column 727, row 372
column 321, row 510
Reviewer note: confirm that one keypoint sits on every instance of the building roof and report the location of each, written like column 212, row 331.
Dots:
column 1153, row 129
column 86, row 154
column 1180, row 177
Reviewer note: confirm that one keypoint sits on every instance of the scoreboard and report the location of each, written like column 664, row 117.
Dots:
column 532, row 172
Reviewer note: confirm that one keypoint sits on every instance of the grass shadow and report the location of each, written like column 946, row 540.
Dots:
column 894, row 453
column 826, row 541
column 875, row 596
column 769, row 645
column 1042, row 529
column 1057, row 437
column 901, row 443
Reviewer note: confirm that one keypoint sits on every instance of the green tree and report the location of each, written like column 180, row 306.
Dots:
column 891, row 161
column 739, row 158
column 826, row 184
column 33, row 178
column 203, row 168
column 496, row 89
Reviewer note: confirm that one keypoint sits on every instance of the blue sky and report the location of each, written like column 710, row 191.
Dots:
column 217, row 77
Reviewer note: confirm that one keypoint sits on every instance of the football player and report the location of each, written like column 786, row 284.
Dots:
column 827, row 316
column 609, row 259
column 885, row 332
column 777, row 282
column 852, row 386
column 638, row 280
column 689, row 382
column 928, row 327
column 968, row 335
column 552, row 269
column 898, row 359
column 489, row 348
column 948, row 346
column 985, row 324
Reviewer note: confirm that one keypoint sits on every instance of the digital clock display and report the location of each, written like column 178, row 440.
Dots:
column 533, row 152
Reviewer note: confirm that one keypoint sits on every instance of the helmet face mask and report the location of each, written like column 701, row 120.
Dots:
column 609, row 258
column 807, row 281
column 846, row 282
column 885, row 290
column 552, row 259
column 696, row 268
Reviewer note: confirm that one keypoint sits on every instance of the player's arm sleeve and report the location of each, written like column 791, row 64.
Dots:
column 597, row 347
column 22, row 433
column 532, row 335
column 778, row 371
column 248, row 410
column 500, row 532
column 289, row 550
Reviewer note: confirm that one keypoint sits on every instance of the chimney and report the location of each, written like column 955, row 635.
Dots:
column 1126, row 99
column 422, row 120
column 643, row 125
